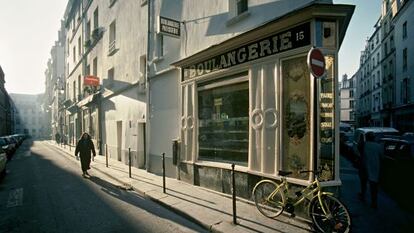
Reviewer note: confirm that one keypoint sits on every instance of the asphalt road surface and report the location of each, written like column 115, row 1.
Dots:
column 44, row 191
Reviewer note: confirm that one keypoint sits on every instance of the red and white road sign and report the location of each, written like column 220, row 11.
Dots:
column 316, row 62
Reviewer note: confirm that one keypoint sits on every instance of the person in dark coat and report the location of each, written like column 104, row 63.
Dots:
column 84, row 148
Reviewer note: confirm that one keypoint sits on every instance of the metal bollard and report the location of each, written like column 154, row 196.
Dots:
column 106, row 154
column 129, row 156
column 70, row 147
column 233, row 190
column 163, row 172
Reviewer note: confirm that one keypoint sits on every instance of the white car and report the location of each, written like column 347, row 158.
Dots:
column 379, row 133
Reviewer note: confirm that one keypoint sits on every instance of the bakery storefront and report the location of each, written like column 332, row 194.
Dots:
column 252, row 101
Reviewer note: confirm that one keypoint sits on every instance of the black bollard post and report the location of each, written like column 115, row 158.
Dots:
column 163, row 172
column 233, row 190
column 129, row 158
column 106, row 154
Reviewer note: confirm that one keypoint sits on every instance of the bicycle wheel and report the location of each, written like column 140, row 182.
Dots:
column 268, row 201
column 337, row 218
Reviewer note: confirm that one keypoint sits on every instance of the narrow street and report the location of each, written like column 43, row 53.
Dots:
column 45, row 192
column 388, row 217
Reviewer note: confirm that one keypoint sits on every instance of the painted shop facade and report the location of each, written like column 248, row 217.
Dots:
column 249, row 98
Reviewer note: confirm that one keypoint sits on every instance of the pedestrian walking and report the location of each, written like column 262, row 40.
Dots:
column 372, row 153
column 85, row 147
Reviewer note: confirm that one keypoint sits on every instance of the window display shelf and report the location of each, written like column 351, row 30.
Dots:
column 224, row 150
column 223, row 131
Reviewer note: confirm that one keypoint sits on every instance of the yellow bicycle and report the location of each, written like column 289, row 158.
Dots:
column 328, row 214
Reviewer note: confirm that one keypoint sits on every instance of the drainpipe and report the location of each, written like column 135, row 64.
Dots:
column 147, row 128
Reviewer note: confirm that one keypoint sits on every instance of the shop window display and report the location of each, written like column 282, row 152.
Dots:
column 296, row 117
column 224, row 123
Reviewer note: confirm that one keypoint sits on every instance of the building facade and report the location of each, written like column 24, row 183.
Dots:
column 106, row 75
column 404, row 67
column 375, row 76
column 383, row 86
column 348, row 93
column 6, row 125
column 30, row 115
column 54, row 85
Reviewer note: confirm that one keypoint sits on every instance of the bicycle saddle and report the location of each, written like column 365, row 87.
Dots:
column 284, row 173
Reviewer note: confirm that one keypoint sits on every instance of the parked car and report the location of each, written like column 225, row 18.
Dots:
column 345, row 127
column 3, row 161
column 6, row 146
column 396, row 168
column 398, row 149
column 379, row 132
column 345, row 143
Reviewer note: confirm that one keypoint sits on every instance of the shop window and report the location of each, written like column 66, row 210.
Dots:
column 224, row 123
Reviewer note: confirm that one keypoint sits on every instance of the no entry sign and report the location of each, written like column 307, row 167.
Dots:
column 316, row 62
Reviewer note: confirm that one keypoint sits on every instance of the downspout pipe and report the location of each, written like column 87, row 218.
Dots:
column 147, row 128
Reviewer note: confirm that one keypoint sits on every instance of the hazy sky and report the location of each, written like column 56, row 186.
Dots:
column 28, row 29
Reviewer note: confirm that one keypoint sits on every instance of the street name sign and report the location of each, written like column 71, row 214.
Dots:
column 169, row 27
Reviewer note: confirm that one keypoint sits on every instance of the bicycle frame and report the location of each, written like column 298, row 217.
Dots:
column 307, row 193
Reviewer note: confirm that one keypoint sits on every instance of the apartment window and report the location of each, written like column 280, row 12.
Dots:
column 404, row 91
column 74, row 91
column 112, row 37
column 88, row 31
column 351, row 104
column 378, row 58
column 111, row 3
column 68, row 49
column 160, row 42
column 405, row 59
column 143, row 66
column 95, row 66
column 386, row 48
column 96, row 19
column 79, row 47
column 111, row 76
column 74, row 53
column 79, row 87
column 88, row 69
column 351, row 93
column 242, row 6
column 238, row 10
column 404, row 30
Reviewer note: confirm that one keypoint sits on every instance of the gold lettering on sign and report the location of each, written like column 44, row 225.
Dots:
column 327, row 105
column 327, row 114
column 326, row 125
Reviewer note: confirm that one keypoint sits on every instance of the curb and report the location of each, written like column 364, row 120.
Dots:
column 143, row 194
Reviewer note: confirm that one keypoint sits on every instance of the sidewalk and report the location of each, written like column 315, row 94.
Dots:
column 208, row 208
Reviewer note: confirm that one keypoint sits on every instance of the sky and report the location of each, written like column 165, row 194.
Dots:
column 28, row 29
